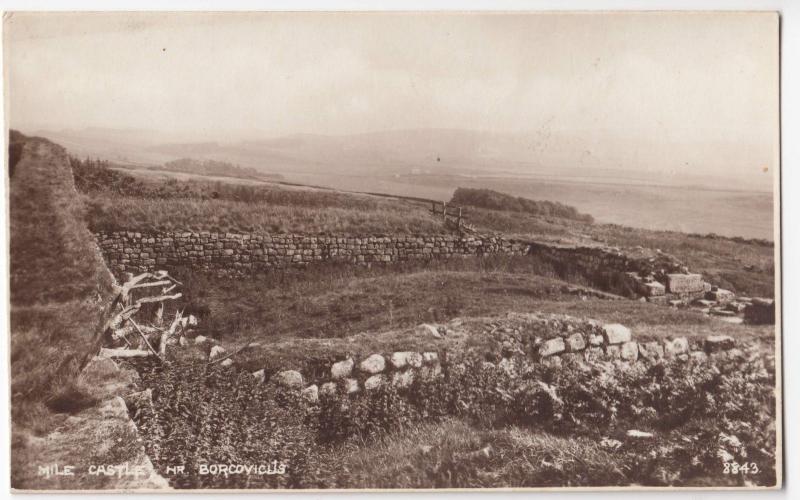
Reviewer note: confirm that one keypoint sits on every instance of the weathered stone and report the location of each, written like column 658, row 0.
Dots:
column 427, row 329
column 342, row 369
column 714, row 343
column 310, row 393
column 652, row 289
column 430, row 357
column 200, row 339
column 698, row 356
column 636, row 434
column 400, row 360
column 403, row 379
column 374, row 382
column 328, row 389
column 351, row 386
column 629, row 351
column 288, row 378
column 552, row 347
column 684, row 283
column 260, row 375
column 373, row 364
column 719, row 295
column 217, row 351
column 575, row 342
column 615, row 333
column 226, row 362
column 675, row 347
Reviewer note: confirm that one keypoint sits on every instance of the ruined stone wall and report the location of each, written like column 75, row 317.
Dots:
column 584, row 341
column 243, row 253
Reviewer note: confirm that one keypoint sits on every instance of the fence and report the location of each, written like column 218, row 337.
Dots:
column 451, row 216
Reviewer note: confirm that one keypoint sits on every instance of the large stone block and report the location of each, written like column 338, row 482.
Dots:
column 615, row 333
column 676, row 347
column 400, row 360
column 310, row 393
column 373, row 364
column 552, row 347
column 651, row 289
column 684, row 283
column 288, row 378
column 342, row 369
column 374, row 382
column 629, row 351
column 575, row 342
column 720, row 295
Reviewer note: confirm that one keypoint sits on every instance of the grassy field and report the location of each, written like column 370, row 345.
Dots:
column 303, row 319
column 110, row 213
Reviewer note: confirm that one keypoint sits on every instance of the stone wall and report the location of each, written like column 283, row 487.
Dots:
column 586, row 340
column 242, row 253
column 603, row 268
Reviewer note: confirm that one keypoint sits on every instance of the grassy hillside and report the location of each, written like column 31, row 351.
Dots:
column 118, row 200
column 745, row 266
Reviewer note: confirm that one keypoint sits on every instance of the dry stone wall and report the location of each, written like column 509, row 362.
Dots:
column 584, row 340
column 127, row 251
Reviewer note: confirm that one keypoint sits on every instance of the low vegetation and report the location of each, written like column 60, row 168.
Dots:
column 536, row 425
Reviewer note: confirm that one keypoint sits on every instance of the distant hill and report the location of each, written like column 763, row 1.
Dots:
column 577, row 155
column 215, row 168
column 486, row 198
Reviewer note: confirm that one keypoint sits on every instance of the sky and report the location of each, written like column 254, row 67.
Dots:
column 697, row 91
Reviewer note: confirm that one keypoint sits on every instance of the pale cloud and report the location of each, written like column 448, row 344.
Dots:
column 680, row 84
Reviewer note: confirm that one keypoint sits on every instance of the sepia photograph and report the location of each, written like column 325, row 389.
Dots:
column 420, row 250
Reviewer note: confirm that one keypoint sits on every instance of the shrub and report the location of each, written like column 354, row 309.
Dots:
column 487, row 198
